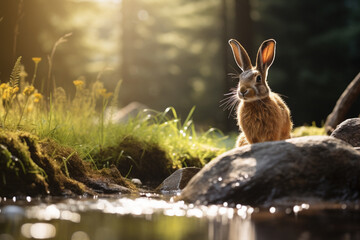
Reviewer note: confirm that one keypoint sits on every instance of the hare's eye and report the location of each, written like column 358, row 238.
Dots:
column 258, row 79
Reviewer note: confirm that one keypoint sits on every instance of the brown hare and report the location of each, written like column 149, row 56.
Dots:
column 262, row 115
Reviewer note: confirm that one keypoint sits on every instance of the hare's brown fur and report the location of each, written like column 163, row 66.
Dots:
column 267, row 119
column 262, row 115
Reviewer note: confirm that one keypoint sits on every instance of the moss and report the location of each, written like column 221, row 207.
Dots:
column 137, row 159
column 58, row 163
column 73, row 167
column 19, row 173
column 114, row 174
column 32, row 167
column 149, row 161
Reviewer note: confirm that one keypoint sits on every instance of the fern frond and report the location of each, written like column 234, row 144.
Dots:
column 15, row 74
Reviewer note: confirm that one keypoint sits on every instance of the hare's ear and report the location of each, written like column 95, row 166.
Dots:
column 240, row 55
column 266, row 55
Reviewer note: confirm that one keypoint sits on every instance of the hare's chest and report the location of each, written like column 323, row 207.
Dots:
column 257, row 116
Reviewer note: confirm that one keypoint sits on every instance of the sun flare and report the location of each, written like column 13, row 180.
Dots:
column 99, row 1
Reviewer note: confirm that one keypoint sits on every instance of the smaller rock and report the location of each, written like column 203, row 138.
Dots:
column 178, row 180
column 102, row 187
column 348, row 131
column 136, row 181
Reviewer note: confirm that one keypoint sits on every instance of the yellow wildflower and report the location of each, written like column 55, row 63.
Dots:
column 38, row 97
column 4, row 86
column 78, row 83
column 14, row 89
column 28, row 90
column 36, row 59
column 107, row 95
column 102, row 92
column 6, row 94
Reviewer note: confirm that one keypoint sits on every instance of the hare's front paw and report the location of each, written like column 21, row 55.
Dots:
column 241, row 140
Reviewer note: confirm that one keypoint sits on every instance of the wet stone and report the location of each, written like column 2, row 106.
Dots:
column 348, row 131
column 317, row 167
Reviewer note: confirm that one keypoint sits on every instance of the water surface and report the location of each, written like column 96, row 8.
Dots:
column 155, row 217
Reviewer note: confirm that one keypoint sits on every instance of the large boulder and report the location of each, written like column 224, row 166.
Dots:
column 348, row 131
column 318, row 167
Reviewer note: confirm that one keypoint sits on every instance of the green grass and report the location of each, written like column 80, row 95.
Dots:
column 159, row 139
column 308, row 131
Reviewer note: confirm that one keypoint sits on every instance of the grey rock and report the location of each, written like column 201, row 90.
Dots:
column 136, row 181
column 348, row 131
column 178, row 180
column 103, row 187
column 123, row 115
column 318, row 167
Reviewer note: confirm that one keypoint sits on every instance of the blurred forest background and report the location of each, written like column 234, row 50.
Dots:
column 175, row 52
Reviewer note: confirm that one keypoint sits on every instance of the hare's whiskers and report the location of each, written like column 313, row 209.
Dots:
column 230, row 102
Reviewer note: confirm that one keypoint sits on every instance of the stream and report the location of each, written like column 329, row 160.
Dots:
column 152, row 216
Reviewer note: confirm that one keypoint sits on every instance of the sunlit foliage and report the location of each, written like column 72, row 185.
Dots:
column 80, row 122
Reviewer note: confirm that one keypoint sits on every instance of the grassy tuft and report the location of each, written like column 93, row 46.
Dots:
column 312, row 130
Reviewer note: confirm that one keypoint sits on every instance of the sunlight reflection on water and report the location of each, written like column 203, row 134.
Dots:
column 38, row 230
column 211, row 218
column 152, row 217
column 126, row 206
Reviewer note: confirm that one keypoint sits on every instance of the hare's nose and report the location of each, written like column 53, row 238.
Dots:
column 242, row 91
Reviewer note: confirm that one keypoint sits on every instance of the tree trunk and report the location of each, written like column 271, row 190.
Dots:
column 128, row 53
column 127, row 38
column 343, row 105
column 237, row 24
column 229, row 123
column 8, row 17
column 244, row 25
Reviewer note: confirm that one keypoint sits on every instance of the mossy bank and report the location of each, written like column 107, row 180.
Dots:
column 29, row 166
